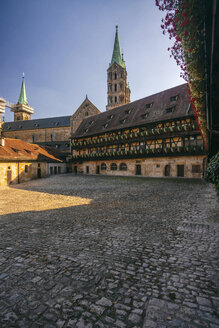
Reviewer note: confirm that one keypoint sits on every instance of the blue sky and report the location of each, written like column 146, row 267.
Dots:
column 64, row 48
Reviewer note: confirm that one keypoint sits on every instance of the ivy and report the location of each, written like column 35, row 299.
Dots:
column 184, row 23
column 212, row 173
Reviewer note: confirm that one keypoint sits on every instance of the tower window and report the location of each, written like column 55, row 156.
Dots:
column 121, row 86
column 115, row 99
column 121, row 99
column 121, row 74
column 115, row 76
column 109, row 87
column 115, row 87
column 110, row 76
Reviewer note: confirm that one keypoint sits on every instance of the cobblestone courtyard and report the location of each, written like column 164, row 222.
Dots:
column 93, row 251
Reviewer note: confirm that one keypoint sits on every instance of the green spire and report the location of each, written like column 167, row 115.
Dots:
column 23, row 98
column 116, row 57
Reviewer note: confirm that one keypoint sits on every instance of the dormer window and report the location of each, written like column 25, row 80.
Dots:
column 91, row 122
column 36, row 124
column 105, row 126
column 57, row 123
column 169, row 110
column 85, row 130
column 15, row 150
column 173, row 98
column 122, row 121
column 144, row 116
column 109, row 117
column 128, row 111
column 149, row 105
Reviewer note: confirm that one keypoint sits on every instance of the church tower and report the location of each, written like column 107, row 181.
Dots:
column 118, row 92
column 22, row 111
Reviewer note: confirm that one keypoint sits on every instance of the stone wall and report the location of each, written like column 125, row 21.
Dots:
column 86, row 109
column 14, row 172
column 42, row 135
column 149, row 167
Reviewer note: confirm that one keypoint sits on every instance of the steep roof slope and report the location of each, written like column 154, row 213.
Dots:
column 42, row 123
column 165, row 105
column 19, row 150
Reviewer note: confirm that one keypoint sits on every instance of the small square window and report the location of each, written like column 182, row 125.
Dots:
column 144, row 116
column 149, row 105
column 173, row 98
column 169, row 110
column 196, row 168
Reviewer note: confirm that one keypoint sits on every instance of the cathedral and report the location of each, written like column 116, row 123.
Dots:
column 156, row 136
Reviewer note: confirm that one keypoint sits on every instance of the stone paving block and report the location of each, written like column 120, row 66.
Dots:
column 143, row 253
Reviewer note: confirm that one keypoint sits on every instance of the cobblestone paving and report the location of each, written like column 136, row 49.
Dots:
column 143, row 253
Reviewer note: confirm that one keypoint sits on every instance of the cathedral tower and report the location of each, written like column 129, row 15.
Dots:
column 118, row 92
column 21, row 110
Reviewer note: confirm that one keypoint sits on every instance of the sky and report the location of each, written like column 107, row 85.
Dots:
column 64, row 47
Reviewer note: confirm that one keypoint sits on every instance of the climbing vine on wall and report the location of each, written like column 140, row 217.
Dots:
column 184, row 23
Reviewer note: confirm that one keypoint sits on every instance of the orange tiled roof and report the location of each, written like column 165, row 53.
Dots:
column 16, row 149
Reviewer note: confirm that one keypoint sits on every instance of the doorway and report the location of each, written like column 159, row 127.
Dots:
column 167, row 170
column 39, row 172
column 180, row 170
column 8, row 177
column 138, row 169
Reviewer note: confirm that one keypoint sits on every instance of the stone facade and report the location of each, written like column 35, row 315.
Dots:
column 44, row 135
column 117, row 88
column 55, row 131
column 18, row 172
column 181, row 166
column 22, row 112
column 86, row 109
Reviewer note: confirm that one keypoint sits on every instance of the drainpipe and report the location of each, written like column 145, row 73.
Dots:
column 18, row 173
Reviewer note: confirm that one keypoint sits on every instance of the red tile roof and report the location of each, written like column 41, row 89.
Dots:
column 19, row 150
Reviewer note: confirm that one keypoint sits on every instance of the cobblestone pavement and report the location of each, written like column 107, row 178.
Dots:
column 141, row 253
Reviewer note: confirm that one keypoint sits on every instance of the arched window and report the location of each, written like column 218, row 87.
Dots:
column 103, row 166
column 167, row 171
column 113, row 167
column 123, row 167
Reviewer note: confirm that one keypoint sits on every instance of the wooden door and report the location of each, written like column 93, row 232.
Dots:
column 180, row 170
column 8, row 177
